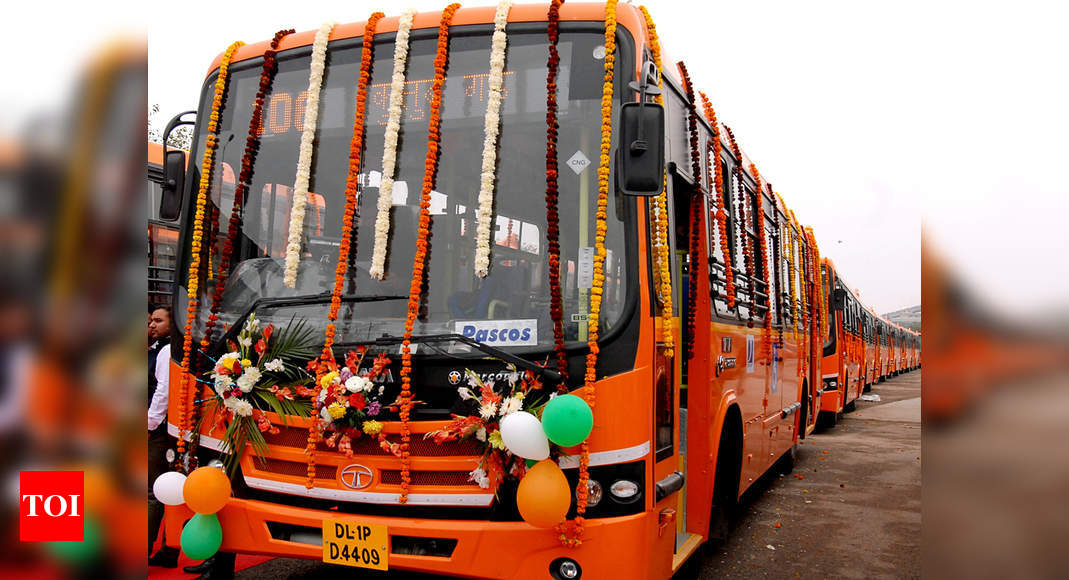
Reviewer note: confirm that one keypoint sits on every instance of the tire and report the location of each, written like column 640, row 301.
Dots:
column 785, row 464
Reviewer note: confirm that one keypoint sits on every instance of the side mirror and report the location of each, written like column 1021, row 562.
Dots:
column 640, row 154
column 838, row 299
column 174, row 176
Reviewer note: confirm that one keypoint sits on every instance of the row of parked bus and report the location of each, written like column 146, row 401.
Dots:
column 861, row 348
column 724, row 334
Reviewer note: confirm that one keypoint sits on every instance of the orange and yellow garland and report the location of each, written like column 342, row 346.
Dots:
column 356, row 146
column 420, row 259
column 187, row 392
column 571, row 533
column 766, row 335
column 718, row 201
column 661, row 271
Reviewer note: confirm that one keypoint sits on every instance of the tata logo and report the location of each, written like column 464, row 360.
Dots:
column 356, row 476
column 454, row 377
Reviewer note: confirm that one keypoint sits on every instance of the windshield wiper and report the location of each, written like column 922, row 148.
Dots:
column 549, row 375
column 322, row 298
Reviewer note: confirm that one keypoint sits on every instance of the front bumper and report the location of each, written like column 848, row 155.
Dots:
column 478, row 549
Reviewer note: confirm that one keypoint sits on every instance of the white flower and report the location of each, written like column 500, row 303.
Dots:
column 491, row 125
column 304, row 161
column 389, row 150
column 275, row 365
column 465, row 394
column 473, row 381
column 323, row 395
column 248, row 379
column 358, row 384
column 252, row 324
column 229, row 356
column 479, row 476
column 382, row 389
column 511, row 405
column 245, row 341
column 552, row 396
column 488, row 411
column 239, row 406
column 223, row 383
column 325, row 415
column 512, row 378
column 481, row 434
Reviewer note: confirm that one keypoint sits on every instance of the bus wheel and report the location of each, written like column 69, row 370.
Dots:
column 785, row 464
column 827, row 419
column 726, row 482
column 850, row 407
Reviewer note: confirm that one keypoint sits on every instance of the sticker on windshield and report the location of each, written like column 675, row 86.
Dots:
column 501, row 332
column 578, row 162
column 586, row 267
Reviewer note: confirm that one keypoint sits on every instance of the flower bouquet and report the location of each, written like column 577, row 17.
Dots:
column 351, row 402
column 262, row 371
column 484, row 405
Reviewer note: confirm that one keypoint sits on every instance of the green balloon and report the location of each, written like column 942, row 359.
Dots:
column 202, row 536
column 530, row 462
column 75, row 553
column 567, row 420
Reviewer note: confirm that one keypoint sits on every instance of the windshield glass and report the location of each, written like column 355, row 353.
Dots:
column 516, row 293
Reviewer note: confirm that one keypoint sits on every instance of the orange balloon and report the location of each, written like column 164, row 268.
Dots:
column 543, row 496
column 207, row 490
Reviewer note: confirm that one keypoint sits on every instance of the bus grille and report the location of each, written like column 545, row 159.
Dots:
column 283, row 467
column 297, row 438
column 450, row 478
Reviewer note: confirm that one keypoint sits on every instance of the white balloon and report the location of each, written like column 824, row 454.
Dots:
column 523, row 435
column 168, row 488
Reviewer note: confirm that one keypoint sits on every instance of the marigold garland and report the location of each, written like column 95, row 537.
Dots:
column 747, row 246
column 492, row 128
column 721, row 214
column 304, row 161
column 662, row 270
column 187, row 392
column 759, row 211
column 777, row 256
column 556, row 310
column 419, row 262
column 348, row 231
column 571, row 533
column 389, row 148
column 695, row 210
column 248, row 159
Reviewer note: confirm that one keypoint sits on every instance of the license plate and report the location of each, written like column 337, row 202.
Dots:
column 355, row 543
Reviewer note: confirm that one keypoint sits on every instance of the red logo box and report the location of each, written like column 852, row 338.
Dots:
column 51, row 506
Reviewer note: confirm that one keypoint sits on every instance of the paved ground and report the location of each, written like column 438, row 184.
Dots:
column 850, row 509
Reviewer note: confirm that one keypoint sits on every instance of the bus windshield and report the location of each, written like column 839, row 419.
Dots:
column 516, row 293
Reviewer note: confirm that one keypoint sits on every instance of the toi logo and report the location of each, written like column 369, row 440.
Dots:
column 51, row 506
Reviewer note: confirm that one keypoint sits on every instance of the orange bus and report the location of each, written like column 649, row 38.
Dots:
column 843, row 361
column 665, row 470
column 162, row 235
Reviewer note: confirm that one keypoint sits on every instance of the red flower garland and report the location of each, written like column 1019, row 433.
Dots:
column 721, row 214
column 695, row 210
column 356, row 145
column 552, row 217
column 766, row 335
column 419, row 262
column 248, row 158
column 747, row 247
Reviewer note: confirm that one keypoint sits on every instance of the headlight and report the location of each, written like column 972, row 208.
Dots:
column 593, row 493
column 624, row 490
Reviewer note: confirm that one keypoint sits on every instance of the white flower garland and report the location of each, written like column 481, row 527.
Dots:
column 389, row 153
column 484, row 215
column 304, row 161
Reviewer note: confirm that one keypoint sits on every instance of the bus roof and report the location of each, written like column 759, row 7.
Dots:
column 626, row 15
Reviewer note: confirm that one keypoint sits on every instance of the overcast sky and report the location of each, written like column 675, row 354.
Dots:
column 863, row 115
